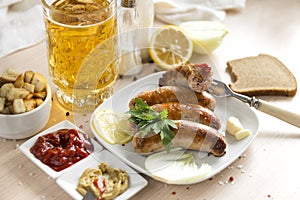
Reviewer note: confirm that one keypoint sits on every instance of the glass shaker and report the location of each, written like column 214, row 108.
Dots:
column 145, row 10
column 130, row 58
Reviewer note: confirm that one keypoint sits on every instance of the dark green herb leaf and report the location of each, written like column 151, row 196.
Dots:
column 149, row 120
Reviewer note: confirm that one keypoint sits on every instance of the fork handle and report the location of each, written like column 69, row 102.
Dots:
column 279, row 113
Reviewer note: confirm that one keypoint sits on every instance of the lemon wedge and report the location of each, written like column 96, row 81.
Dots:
column 112, row 127
column 170, row 46
column 205, row 35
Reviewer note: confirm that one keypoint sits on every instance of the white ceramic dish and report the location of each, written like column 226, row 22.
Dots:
column 68, row 181
column 225, row 107
column 25, row 148
column 24, row 125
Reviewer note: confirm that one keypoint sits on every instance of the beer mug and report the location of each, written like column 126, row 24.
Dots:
column 81, row 38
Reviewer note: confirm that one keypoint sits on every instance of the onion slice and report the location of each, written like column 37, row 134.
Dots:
column 176, row 167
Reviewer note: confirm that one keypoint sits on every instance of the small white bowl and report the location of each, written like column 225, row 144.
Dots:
column 25, row 148
column 24, row 125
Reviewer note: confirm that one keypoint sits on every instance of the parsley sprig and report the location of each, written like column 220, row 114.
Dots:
column 149, row 120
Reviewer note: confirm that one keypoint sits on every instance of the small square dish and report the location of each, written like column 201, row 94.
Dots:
column 69, row 180
column 25, row 148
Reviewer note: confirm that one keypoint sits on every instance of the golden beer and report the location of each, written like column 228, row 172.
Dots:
column 82, row 50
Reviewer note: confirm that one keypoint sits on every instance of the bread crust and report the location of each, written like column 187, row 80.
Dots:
column 261, row 75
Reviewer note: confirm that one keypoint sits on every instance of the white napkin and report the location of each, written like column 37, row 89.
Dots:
column 179, row 11
column 21, row 25
column 21, row 21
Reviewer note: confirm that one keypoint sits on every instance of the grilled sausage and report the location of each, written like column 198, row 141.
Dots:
column 196, row 76
column 182, row 95
column 189, row 135
column 190, row 112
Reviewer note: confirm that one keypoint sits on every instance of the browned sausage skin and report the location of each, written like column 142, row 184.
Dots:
column 190, row 112
column 182, row 95
column 196, row 76
column 189, row 135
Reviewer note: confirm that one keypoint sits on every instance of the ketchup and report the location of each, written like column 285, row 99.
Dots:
column 101, row 190
column 62, row 148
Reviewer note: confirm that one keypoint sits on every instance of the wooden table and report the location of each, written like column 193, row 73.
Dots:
column 269, row 168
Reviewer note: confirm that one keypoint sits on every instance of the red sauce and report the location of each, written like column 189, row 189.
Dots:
column 62, row 148
column 101, row 190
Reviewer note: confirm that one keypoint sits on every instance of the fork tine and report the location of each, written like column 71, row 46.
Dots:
column 219, row 88
column 219, row 82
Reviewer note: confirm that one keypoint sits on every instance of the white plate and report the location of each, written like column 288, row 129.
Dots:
column 225, row 107
column 69, row 180
column 25, row 148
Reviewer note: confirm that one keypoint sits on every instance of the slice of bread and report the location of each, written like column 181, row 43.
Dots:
column 261, row 75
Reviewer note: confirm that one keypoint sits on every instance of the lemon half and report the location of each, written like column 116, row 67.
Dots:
column 205, row 35
column 170, row 47
column 112, row 127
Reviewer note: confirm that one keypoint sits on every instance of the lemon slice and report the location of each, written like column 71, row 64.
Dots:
column 205, row 35
column 170, row 46
column 112, row 127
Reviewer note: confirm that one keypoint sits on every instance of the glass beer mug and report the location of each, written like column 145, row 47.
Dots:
column 82, row 55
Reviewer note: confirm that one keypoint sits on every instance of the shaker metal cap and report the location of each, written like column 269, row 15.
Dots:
column 128, row 3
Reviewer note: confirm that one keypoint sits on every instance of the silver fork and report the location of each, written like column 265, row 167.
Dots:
column 220, row 89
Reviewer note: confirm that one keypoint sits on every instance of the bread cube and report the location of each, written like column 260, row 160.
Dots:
column 38, row 101
column 30, row 96
column 41, row 95
column 28, row 76
column 29, row 87
column 19, row 82
column 2, row 103
column 17, row 93
column 30, row 104
column 5, row 89
column 18, row 106
column 39, row 82
column 9, row 76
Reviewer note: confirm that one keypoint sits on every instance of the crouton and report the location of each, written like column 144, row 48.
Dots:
column 41, row 95
column 19, row 82
column 30, row 104
column 2, row 103
column 18, row 106
column 5, row 89
column 28, row 76
column 39, row 82
column 9, row 76
column 30, row 96
column 29, row 87
column 17, row 93
column 38, row 101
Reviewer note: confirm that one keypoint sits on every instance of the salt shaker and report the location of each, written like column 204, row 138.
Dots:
column 145, row 10
column 130, row 59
